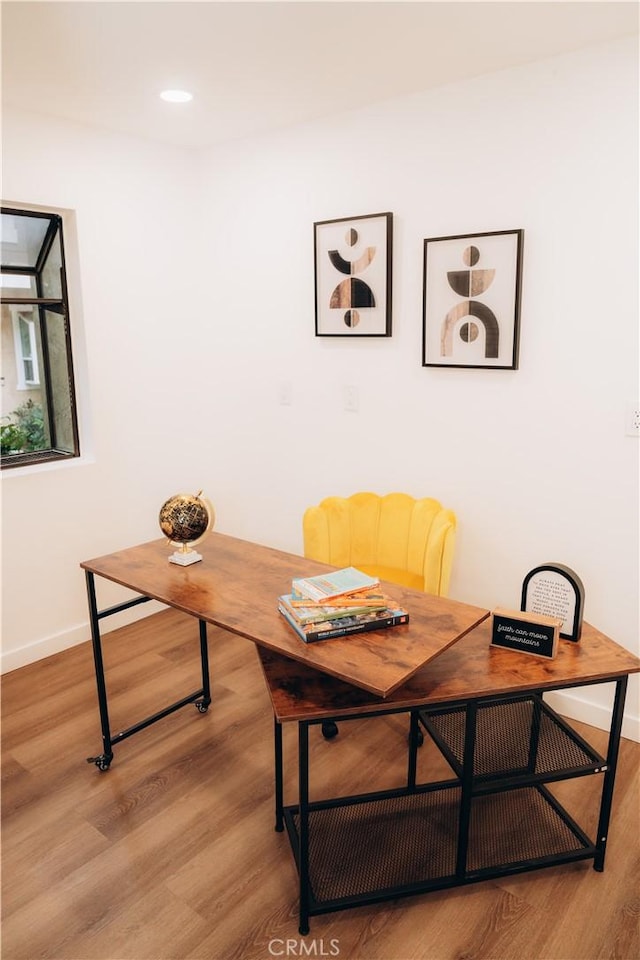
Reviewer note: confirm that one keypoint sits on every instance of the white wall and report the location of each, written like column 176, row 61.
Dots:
column 133, row 233
column 186, row 367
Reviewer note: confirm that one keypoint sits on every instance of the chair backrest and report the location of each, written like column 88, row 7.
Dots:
column 394, row 537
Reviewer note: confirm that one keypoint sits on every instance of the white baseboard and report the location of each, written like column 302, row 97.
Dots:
column 13, row 659
column 595, row 714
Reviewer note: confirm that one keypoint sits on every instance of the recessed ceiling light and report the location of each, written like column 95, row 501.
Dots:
column 176, row 96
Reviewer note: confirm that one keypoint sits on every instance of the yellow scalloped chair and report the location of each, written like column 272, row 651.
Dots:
column 393, row 537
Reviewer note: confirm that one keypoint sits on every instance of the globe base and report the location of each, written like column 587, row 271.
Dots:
column 185, row 557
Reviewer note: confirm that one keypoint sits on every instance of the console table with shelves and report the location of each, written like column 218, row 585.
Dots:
column 484, row 709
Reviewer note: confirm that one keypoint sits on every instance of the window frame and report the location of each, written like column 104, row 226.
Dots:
column 40, row 305
column 18, row 317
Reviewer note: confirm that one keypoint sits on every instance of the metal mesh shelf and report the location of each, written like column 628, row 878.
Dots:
column 522, row 737
column 389, row 846
column 379, row 844
column 521, row 827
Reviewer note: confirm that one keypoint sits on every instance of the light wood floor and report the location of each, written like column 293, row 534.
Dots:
column 171, row 854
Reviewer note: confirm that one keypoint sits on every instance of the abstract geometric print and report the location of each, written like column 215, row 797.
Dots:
column 353, row 292
column 353, row 276
column 471, row 316
column 474, row 282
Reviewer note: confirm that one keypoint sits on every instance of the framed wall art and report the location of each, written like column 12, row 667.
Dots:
column 353, row 276
column 471, row 300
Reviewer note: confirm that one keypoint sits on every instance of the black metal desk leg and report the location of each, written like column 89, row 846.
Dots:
column 203, row 704
column 103, row 761
column 303, row 807
column 534, row 732
column 467, row 788
column 610, row 774
column 277, row 742
column 414, row 732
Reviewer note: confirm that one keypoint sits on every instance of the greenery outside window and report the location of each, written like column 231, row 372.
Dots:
column 38, row 420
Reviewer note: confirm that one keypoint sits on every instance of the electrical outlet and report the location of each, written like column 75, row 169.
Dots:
column 632, row 420
column 351, row 399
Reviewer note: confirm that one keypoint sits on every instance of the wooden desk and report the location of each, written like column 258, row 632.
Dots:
column 236, row 586
column 484, row 708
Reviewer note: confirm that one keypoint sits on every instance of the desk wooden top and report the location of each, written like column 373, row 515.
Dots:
column 469, row 669
column 237, row 584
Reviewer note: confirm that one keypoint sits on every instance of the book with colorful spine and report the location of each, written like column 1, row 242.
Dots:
column 306, row 611
column 392, row 615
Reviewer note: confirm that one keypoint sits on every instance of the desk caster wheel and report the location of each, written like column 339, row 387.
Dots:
column 202, row 705
column 102, row 763
column 329, row 729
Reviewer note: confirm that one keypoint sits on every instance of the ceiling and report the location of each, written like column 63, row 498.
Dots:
column 255, row 67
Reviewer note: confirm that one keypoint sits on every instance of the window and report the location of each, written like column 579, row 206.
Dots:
column 24, row 338
column 38, row 409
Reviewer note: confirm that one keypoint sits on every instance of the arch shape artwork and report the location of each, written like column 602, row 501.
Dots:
column 471, row 308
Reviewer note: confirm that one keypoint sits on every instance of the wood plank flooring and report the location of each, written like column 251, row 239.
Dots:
column 172, row 855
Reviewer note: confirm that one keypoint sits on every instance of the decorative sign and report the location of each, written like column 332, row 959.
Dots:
column 556, row 591
column 533, row 634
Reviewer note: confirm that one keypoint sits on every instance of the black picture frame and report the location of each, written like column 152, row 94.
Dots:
column 353, row 292
column 471, row 300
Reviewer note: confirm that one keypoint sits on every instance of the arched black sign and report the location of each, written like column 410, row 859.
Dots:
column 557, row 591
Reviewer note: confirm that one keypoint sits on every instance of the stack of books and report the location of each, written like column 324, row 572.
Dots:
column 338, row 604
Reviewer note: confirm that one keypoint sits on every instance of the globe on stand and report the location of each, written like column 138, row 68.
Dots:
column 186, row 519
